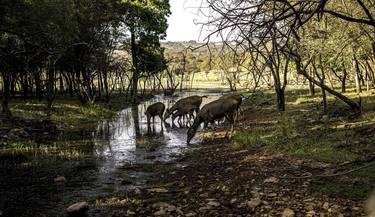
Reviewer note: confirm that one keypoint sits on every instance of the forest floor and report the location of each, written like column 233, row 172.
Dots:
column 293, row 164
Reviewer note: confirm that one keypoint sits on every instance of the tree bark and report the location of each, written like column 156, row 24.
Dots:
column 6, row 93
column 311, row 85
column 356, row 75
column 135, row 77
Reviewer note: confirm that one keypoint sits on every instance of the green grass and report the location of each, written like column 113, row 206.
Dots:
column 68, row 112
column 304, row 132
column 346, row 189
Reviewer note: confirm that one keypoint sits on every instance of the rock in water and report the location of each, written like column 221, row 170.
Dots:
column 288, row 213
column 254, row 203
column 77, row 208
column 158, row 190
column 59, row 179
column 370, row 205
column 273, row 180
column 18, row 133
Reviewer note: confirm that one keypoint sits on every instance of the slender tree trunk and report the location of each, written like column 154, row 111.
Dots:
column 182, row 81
column 50, row 90
column 61, row 81
column 322, row 81
column 311, row 84
column 356, row 75
column 25, row 86
column 38, row 88
column 105, row 83
column 280, row 98
column 343, row 81
column 100, row 84
column 6, row 93
column 13, row 86
column 135, row 77
column 371, row 73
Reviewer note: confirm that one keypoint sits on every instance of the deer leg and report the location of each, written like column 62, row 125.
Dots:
column 191, row 118
column 161, row 121
column 179, row 121
column 213, row 129
column 148, row 120
column 231, row 121
column 205, row 125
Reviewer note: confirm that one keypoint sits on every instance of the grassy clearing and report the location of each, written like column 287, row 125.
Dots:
column 68, row 112
column 304, row 132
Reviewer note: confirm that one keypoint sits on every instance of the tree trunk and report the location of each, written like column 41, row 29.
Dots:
column 371, row 73
column 135, row 77
column 343, row 81
column 6, row 93
column 280, row 99
column 356, row 75
column 38, row 88
column 322, row 81
column 61, row 81
column 353, row 105
column 25, row 86
column 182, row 81
column 51, row 93
column 100, row 84
column 311, row 85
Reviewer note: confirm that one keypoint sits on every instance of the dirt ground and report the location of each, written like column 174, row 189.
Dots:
column 218, row 181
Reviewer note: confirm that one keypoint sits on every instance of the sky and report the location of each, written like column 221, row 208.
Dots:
column 181, row 21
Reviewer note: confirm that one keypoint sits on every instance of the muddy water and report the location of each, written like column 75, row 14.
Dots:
column 127, row 142
column 123, row 153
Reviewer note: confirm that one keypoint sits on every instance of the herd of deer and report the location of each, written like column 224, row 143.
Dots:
column 225, row 107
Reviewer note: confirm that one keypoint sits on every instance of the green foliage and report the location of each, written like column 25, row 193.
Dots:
column 73, row 42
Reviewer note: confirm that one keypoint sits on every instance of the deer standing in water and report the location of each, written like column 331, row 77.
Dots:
column 222, row 108
column 184, row 112
column 156, row 109
column 195, row 101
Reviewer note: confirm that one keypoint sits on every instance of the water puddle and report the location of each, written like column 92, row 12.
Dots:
column 127, row 141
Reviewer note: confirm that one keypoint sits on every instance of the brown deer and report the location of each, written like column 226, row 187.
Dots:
column 235, row 96
column 184, row 112
column 191, row 100
column 156, row 109
column 225, row 107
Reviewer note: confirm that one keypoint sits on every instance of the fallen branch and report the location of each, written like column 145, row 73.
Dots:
column 330, row 175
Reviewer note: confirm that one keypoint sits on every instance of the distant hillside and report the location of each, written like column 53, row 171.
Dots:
column 180, row 46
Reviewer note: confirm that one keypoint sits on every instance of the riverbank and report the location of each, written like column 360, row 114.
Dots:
column 69, row 113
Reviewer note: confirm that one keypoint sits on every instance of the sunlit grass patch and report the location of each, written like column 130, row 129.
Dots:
column 34, row 152
column 306, row 100
column 117, row 202
column 68, row 112
column 346, row 189
column 291, row 135
column 305, row 132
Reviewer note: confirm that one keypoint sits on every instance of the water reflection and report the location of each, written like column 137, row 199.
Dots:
column 128, row 140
